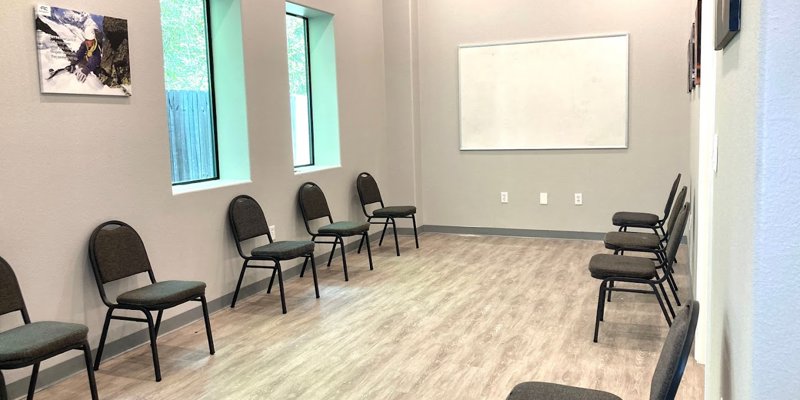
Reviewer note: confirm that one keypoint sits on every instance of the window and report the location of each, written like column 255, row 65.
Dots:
column 300, row 90
column 189, row 91
column 313, row 95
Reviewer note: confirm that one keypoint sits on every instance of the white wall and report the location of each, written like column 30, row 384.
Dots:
column 71, row 162
column 754, row 326
column 462, row 188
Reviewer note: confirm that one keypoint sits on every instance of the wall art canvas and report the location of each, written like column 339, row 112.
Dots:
column 729, row 20
column 82, row 53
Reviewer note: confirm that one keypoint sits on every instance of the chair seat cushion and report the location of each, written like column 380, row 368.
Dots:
column 39, row 339
column 163, row 293
column 395, row 211
column 284, row 250
column 626, row 218
column 604, row 266
column 345, row 228
column 632, row 241
column 553, row 391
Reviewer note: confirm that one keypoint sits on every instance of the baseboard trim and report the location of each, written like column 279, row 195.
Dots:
column 470, row 230
column 65, row 369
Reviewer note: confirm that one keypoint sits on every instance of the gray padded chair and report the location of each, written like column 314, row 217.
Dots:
column 313, row 206
column 610, row 268
column 645, row 242
column 666, row 377
column 628, row 219
column 116, row 252
column 368, row 193
column 32, row 343
column 248, row 222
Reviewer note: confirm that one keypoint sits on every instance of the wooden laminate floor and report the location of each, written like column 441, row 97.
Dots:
column 464, row 317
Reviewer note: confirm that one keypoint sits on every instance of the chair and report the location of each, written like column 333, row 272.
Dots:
column 34, row 342
column 313, row 206
column 611, row 268
column 627, row 219
column 666, row 377
column 116, row 251
column 368, row 193
column 645, row 242
column 247, row 222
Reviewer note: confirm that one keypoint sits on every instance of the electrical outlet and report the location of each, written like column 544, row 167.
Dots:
column 272, row 232
column 504, row 197
column 543, row 198
column 578, row 199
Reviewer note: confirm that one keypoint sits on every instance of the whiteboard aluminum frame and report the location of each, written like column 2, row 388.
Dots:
column 627, row 92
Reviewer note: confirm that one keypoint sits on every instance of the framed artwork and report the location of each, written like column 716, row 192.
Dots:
column 82, row 53
column 690, row 62
column 729, row 20
column 696, row 35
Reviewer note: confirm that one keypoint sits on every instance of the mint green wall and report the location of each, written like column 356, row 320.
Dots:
column 230, row 89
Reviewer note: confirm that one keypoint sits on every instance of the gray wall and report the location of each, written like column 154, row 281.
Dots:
column 462, row 188
column 71, row 162
column 755, row 328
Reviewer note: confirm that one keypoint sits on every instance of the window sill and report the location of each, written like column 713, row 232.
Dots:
column 208, row 185
column 314, row 168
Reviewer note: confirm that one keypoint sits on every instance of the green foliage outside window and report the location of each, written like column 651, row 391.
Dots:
column 183, row 26
column 296, row 42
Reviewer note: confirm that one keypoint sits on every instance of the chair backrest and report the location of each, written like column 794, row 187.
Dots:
column 312, row 202
column 672, row 195
column 247, row 219
column 674, row 354
column 675, row 236
column 116, row 251
column 676, row 208
column 10, row 294
column 368, row 191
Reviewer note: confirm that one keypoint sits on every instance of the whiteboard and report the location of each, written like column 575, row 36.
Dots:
column 551, row 94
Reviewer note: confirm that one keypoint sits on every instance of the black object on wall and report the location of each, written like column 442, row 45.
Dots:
column 729, row 21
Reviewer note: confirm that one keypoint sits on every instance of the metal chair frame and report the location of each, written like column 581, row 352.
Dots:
column 387, row 220
column 152, row 327
column 84, row 346
column 276, row 267
column 338, row 239
column 660, row 252
column 658, row 229
column 607, row 285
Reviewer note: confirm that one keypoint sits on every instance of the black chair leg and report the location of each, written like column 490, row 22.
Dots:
column 361, row 242
column 303, row 271
column 3, row 393
column 344, row 259
column 87, row 356
column 666, row 299
column 674, row 288
column 385, row 225
column 369, row 250
column 600, row 303
column 313, row 272
column 396, row 244
column 280, row 286
column 271, row 281
column 610, row 285
column 32, row 383
column 151, row 330
column 158, row 321
column 238, row 285
column 211, row 349
column 414, row 223
column 661, row 303
column 333, row 250
column 102, row 340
